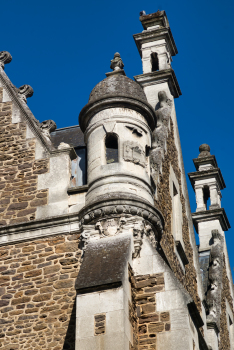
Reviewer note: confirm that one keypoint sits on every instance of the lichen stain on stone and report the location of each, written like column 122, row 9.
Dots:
column 164, row 204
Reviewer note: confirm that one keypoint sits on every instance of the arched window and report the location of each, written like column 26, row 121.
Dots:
column 111, row 143
column 154, row 62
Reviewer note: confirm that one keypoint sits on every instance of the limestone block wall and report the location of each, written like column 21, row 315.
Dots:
column 37, row 294
column 19, row 171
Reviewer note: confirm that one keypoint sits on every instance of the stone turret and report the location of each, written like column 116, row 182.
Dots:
column 119, row 211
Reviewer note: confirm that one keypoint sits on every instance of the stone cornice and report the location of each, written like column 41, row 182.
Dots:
column 205, row 160
column 110, row 101
column 210, row 215
column 68, row 223
column 207, row 174
column 153, row 35
column 158, row 77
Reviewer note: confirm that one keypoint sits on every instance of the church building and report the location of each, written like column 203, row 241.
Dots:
column 97, row 238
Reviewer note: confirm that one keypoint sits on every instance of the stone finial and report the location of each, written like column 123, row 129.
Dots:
column 116, row 63
column 5, row 57
column 204, row 150
column 24, row 92
column 47, row 127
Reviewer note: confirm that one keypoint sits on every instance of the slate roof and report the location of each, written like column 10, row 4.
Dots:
column 104, row 263
column 71, row 135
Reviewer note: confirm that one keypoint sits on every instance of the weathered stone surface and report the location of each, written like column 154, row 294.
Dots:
column 19, row 171
column 146, row 322
column 164, row 204
column 37, row 302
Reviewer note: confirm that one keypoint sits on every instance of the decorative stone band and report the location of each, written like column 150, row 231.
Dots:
column 118, row 216
column 5, row 57
column 110, row 101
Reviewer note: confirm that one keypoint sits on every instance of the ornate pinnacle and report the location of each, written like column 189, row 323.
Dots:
column 116, row 63
column 5, row 57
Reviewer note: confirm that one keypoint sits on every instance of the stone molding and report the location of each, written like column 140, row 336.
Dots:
column 155, row 35
column 28, row 231
column 121, row 206
column 205, row 160
column 110, row 101
column 210, row 215
column 204, row 174
column 159, row 77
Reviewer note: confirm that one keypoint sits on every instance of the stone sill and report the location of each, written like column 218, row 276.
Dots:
column 78, row 189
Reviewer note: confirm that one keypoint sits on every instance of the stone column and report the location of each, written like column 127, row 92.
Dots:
column 214, row 196
column 199, row 198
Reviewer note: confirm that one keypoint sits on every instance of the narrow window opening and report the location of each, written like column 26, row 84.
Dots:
column 79, row 168
column 206, row 195
column 175, row 192
column 111, row 143
column 154, row 62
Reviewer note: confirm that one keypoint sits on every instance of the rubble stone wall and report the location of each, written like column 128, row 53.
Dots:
column 164, row 204
column 37, row 294
column 19, row 197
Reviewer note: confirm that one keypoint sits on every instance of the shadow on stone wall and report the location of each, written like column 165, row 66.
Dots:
column 69, row 342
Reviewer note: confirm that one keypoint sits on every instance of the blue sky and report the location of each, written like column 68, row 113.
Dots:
column 63, row 49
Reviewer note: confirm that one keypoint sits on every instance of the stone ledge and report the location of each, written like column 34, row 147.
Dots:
column 78, row 189
column 158, row 77
column 153, row 35
column 204, row 174
column 39, row 228
column 210, row 215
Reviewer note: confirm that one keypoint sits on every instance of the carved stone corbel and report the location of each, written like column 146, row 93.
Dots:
column 24, row 92
column 5, row 57
column 47, row 127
